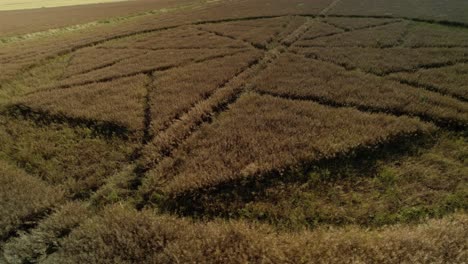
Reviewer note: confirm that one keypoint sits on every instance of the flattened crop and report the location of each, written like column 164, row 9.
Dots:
column 451, row 80
column 145, row 63
column 195, row 82
column 298, row 121
column 377, row 37
column 386, row 61
column 72, row 158
column 352, row 23
column 120, row 102
column 22, row 197
column 258, row 32
column 298, row 77
column 260, row 134
column 180, row 38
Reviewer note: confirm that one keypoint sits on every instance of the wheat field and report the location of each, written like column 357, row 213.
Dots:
column 261, row 131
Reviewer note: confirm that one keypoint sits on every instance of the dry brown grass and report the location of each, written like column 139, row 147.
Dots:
column 195, row 82
column 299, row 77
column 22, row 197
column 244, row 143
column 120, row 235
column 451, row 79
column 375, row 37
column 121, row 102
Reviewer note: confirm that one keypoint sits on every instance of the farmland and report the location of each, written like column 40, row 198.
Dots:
column 236, row 132
column 12, row 5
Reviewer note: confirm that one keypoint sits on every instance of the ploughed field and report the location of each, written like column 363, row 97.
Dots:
column 267, row 139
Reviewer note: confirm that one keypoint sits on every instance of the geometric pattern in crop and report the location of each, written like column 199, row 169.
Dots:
column 120, row 102
column 385, row 61
column 256, row 32
column 260, row 134
column 217, row 102
column 195, row 82
column 91, row 59
column 70, row 158
column 421, row 35
column 147, row 62
column 22, row 196
column 319, row 29
column 452, row 80
column 299, row 77
column 376, row 37
column 180, row 38
column 353, row 23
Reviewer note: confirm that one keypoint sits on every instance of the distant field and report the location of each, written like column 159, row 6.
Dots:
column 12, row 22
column 17, row 5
